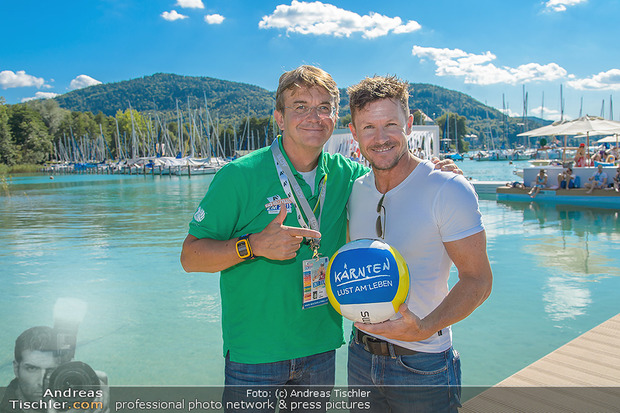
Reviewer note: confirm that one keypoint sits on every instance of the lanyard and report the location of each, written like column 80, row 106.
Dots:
column 288, row 181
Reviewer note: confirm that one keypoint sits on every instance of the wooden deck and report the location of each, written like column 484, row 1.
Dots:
column 581, row 376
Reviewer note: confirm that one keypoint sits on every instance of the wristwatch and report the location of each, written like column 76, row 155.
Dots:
column 244, row 251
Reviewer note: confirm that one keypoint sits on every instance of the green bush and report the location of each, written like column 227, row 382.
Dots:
column 19, row 169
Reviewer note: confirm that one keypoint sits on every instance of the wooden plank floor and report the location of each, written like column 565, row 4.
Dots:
column 581, row 376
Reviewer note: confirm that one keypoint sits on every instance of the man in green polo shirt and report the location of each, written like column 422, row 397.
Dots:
column 248, row 228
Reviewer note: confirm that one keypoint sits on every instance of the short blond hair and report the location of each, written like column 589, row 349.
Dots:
column 375, row 88
column 306, row 76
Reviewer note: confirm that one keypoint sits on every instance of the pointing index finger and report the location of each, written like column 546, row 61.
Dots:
column 302, row 232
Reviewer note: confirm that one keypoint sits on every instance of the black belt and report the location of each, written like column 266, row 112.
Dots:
column 380, row 347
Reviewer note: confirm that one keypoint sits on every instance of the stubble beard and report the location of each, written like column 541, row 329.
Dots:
column 389, row 166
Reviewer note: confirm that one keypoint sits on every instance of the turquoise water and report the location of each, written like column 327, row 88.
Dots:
column 492, row 170
column 115, row 241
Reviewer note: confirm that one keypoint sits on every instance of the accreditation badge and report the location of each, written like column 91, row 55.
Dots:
column 314, row 271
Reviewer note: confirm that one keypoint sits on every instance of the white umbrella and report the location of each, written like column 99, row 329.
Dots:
column 583, row 125
column 609, row 139
column 545, row 130
column 586, row 125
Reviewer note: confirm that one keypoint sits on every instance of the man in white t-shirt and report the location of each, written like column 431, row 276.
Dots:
column 598, row 180
column 432, row 219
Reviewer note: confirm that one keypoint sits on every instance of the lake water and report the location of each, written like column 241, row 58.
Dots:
column 114, row 241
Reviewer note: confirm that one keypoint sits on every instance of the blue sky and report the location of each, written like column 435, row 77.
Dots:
column 487, row 49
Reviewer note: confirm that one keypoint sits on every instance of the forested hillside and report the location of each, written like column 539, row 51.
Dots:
column 232, row 101
column 33, row 132
column 161, row 92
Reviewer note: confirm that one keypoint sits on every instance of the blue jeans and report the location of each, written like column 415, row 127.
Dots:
column 263, row 384
column 423, row 382
column 571, row 184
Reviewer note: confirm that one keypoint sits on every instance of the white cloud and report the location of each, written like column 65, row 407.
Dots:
column 478, row 69
column 83, row 81
column 172, row 15
column 549, row 114
column 41, row 95
column 561, row 5
column 214, row 18
column 9, row 79
column 325, row 19
column 510, row 112
column 190, row 4
column 411, row 26
column 609, row 80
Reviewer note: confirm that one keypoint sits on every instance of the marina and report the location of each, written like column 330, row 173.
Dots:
column 115, row 123
column 114, row 241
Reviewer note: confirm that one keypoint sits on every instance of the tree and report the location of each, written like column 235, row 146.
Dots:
column 131, row 121
column 9, row 153
column 125, row 122
column 345, row 120
column 454, row 131
column 254, row 128
column 30, row 134
column 51, row 114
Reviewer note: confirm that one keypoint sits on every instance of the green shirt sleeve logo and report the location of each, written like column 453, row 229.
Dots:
column 200, row 214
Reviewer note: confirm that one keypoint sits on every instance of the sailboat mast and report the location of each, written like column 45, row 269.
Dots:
column 179, row 131
column 456, row 139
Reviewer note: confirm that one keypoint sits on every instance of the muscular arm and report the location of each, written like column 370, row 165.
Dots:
column 474, row 286
column 276, row 242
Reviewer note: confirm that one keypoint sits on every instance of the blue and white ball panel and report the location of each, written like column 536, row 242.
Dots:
column 368, row 280
column 368, row 313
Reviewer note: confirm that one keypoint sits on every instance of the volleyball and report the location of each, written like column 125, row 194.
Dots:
column 367, row 281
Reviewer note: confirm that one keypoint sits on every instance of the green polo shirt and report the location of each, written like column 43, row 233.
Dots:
column 262, row 316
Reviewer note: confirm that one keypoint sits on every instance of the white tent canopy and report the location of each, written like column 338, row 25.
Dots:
column 609, row 139
column 542, row 131
column 586, row 125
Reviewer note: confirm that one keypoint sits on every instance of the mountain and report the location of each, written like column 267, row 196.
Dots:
column 231, row 101
column 161, row 92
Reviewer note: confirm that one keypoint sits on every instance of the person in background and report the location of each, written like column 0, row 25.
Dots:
column 580, row 156
column 539, row 183
column 617, row 179
column 566, row 179
column 596, row 181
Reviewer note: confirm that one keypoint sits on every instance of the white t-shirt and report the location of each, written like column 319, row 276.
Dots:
column 428, row 208
column 600, row 178
column 309, row 177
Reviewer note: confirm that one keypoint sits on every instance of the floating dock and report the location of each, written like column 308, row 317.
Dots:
column 602, row 198
column 487, row 187
column 581, row 376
